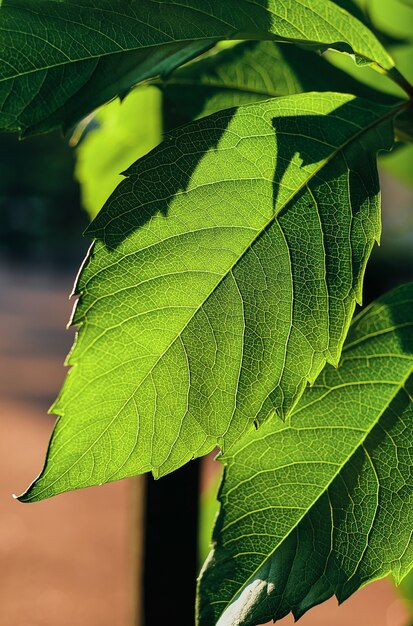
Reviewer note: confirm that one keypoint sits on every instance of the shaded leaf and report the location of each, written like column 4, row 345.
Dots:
column 323, row 504
column 235, row 246
column 404, row 126
column 255, row 71
column 60, row 60
column 248, row 72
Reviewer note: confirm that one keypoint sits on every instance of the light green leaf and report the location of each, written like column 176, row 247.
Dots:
column 397, row 22
column 62, row 59
column 322, row 504
column 236, row 245
column 361, row 10
column 123, row 132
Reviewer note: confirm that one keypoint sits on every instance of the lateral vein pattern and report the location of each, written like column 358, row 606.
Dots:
column 224, row 275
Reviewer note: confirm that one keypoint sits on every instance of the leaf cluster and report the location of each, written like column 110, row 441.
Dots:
column 241, row 202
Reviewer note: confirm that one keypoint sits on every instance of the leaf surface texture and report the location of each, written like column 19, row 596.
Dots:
column 60, row 60
column 322, row 504
column 224, row 275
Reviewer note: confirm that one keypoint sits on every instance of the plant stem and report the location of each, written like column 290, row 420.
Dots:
column 400, row 80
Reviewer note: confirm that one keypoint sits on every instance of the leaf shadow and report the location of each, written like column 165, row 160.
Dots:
column 324, row 141
column 152, row 183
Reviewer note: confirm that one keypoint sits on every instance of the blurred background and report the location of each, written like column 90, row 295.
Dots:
column 77, row 559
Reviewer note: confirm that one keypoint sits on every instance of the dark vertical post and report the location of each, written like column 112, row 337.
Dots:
column 171, row 529
column 171, row 547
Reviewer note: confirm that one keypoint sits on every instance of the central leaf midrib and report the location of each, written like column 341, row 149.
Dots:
column 261, row 231
column 360, row 443
column 360, row 132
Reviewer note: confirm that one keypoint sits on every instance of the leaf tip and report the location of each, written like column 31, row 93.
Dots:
column 23, row 497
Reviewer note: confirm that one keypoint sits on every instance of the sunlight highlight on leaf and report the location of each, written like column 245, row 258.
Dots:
column 61, row 60
column 225, row 274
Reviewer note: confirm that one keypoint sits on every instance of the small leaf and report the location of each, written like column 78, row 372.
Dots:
column 60, row 60
column 323, row 504
column 122, row 132
column 225, row 273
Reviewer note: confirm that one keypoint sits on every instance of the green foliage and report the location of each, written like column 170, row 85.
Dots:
column 245, row 73
column 123, row 132
column 230, row 248
column 332, row 507
column 226, row 266
column 86, row 52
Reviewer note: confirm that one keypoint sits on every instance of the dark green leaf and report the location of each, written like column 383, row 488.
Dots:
column 404, row 125
column 62, row 59
column 254, row 71
column 323, row 504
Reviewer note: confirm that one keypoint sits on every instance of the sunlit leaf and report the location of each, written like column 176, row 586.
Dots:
column 225, row 274
column 122, row 132
column 247, row 72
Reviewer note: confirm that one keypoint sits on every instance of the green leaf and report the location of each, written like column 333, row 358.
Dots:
column 247, row 72
column 361, row 11
column 397, row 22
column 404, row 126
column 352, row 7
column 225, row 273
column 254, row 71
column 60, row 60
column 323, row 504
column 122, row 133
